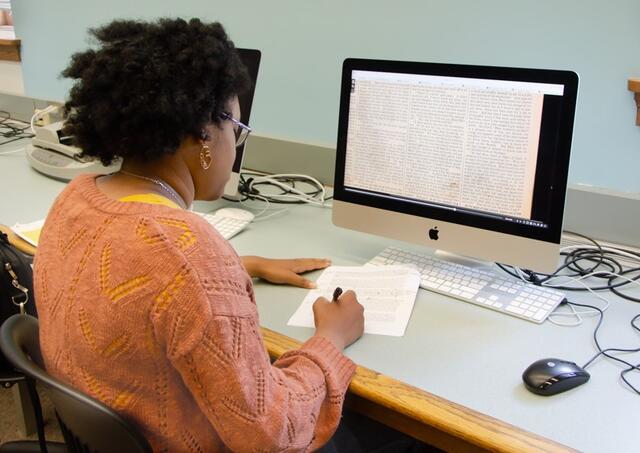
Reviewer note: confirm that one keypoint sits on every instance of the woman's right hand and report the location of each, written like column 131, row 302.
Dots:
column 341, row 322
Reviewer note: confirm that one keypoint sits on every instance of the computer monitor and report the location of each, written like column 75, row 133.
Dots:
column 472, row 160
column 251, row 59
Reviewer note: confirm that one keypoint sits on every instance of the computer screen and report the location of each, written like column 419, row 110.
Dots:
column 251, row 59
column 468, row 159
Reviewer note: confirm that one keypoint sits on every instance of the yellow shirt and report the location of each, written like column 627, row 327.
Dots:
column 150, row 198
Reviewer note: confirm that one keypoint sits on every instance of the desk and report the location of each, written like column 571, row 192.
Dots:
column 454, row 378
column 470, row 357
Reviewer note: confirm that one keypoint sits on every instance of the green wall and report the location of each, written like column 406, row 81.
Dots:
column 304, row 43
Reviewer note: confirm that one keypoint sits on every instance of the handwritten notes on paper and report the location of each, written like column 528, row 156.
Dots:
column 386, row 292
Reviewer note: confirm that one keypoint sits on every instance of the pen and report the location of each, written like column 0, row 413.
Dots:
column 336, row 294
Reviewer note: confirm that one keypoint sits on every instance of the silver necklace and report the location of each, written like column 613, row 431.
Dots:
column 163, row 185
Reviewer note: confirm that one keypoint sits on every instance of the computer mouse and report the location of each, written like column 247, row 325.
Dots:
column 235, row 213
column 551, row 376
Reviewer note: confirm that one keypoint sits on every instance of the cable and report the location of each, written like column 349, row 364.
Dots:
column 286, row 190
column 10, row 130
column 601, row 266
column 573, row 312
column 596, row 262
column 614, row 288
column 286, row 182
column 263, row 210
column 47, row 109
column 606, row 352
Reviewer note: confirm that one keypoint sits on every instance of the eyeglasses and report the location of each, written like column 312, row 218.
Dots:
column 242, row 131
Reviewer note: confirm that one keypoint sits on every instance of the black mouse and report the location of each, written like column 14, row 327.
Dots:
column 551, row 376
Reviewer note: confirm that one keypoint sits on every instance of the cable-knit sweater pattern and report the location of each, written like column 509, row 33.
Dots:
column 148, row 309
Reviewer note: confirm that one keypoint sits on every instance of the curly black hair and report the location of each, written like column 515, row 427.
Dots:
column 149, row 85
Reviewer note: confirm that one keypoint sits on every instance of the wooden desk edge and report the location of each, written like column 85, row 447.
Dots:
column 425, row 416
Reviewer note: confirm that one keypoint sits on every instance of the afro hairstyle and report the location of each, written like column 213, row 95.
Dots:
column 149, row 85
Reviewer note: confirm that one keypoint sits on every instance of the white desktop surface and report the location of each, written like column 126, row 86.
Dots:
column 464, row 353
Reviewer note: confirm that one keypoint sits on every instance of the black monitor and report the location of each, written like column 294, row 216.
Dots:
column 468, row 159
column 251, row 59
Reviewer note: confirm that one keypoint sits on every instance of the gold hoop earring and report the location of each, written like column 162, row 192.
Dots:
column 205, row 157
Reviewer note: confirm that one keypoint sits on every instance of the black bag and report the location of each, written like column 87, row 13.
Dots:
column 16, row 286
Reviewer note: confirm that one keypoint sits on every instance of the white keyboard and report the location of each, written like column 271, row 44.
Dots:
column 484, row 288
column 228, row 221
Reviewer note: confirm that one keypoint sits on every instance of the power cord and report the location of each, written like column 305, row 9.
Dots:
column 12, row 130
column 282, row 189
column 607, row 352
column 587, row 262
column 38, row 114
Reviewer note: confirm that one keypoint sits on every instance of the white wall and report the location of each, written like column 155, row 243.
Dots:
column 304, row 42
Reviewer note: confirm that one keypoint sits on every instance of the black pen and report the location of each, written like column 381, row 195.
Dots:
column 336, row 293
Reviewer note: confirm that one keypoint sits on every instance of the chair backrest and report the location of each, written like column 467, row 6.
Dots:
column 87, row 424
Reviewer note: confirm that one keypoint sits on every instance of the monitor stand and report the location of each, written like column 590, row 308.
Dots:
column 231, row 191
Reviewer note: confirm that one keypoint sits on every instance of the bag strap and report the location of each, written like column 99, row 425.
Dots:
column 21, row 296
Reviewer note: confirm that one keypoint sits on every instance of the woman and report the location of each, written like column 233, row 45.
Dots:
column 142, row 304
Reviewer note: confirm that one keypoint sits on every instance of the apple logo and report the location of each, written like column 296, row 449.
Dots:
column 433, row 233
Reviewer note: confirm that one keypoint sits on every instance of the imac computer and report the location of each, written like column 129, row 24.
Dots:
column 471, row 160
column 251, row 59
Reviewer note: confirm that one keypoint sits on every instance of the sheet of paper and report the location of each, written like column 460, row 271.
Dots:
column 30, row 232
column 386, row 292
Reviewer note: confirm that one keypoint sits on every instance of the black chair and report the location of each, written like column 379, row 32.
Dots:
column 87, row 424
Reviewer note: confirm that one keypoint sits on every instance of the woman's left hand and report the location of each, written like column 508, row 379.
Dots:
column 284, row 271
